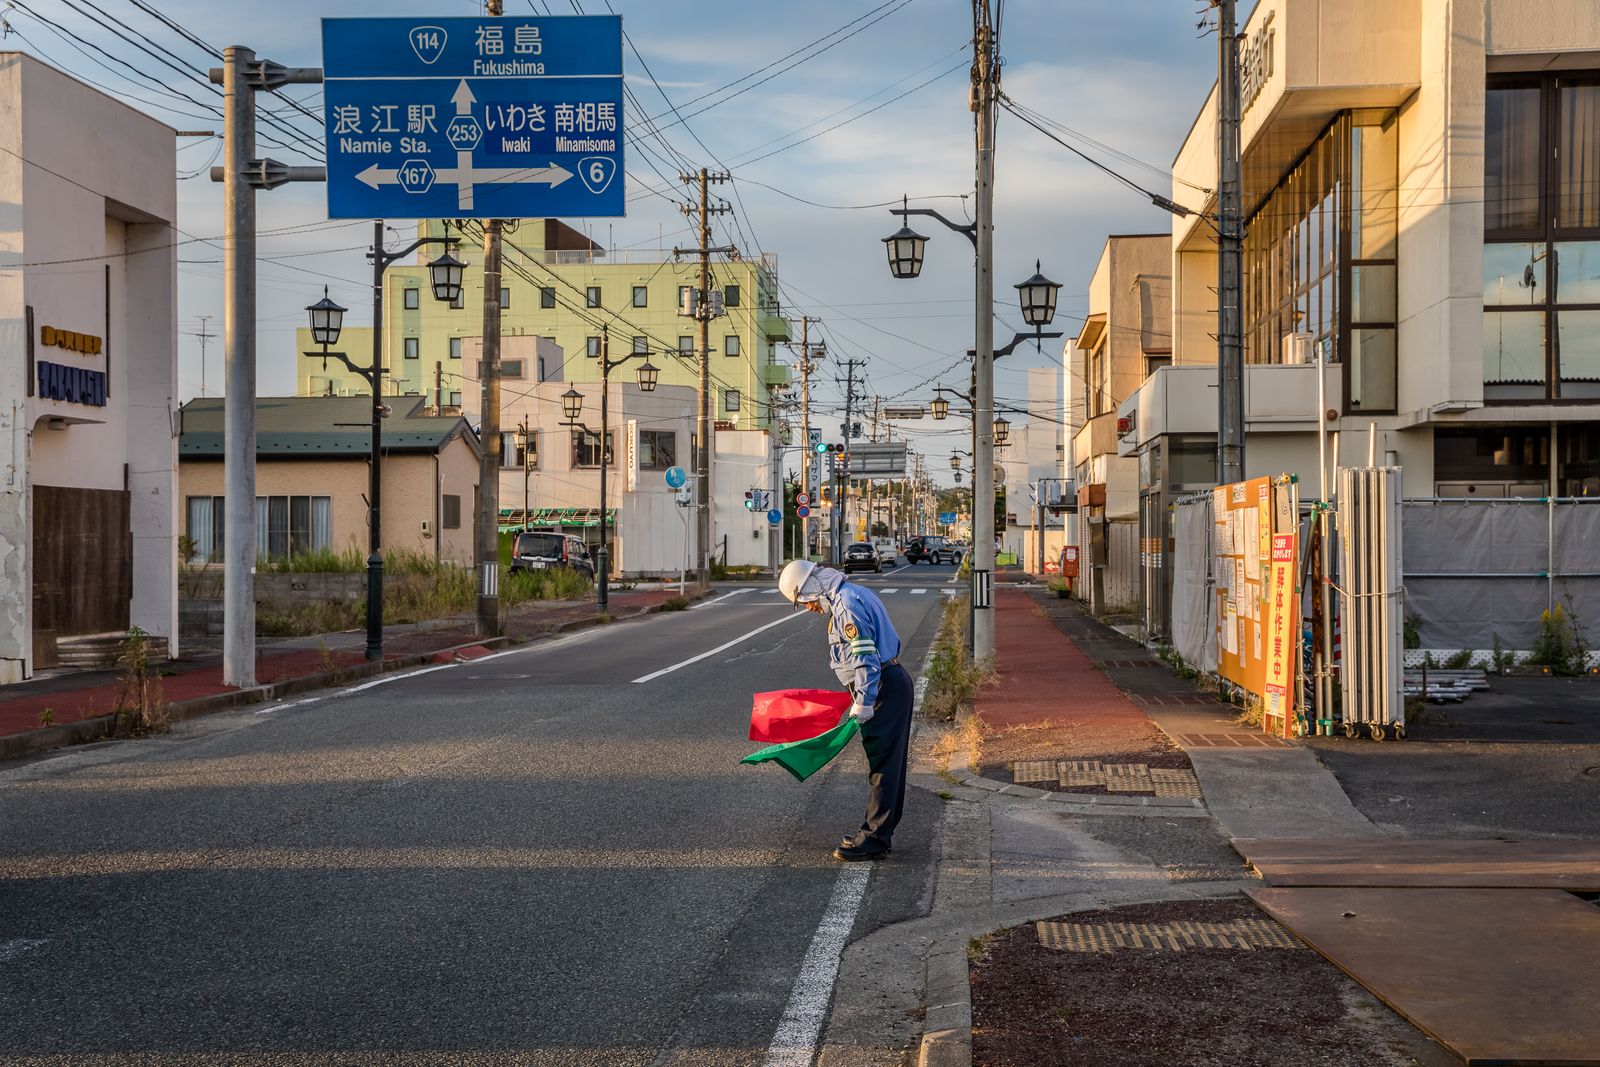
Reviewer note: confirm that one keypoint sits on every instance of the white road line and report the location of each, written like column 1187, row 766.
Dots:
column 896, row 570
column 891, row 589
column 718, row 599
column 951, row 592
column 790, row 617
column 795, row 1042
column 919, row 590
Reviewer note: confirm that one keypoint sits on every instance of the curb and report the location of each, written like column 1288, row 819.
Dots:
column 100, row 728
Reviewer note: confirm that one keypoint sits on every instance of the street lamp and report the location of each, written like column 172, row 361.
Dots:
column 905, row 247
column 445, row 274
column 1038, row 298
column 1002, row 430
column 940, row 407
column 571, row 407
column 524, row 439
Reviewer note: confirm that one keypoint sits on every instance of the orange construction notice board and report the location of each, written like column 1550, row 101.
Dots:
column 1247, row 517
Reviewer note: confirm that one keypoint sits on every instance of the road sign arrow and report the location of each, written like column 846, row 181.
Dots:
column 375, row 176
column 553, row 175
column 463, row 99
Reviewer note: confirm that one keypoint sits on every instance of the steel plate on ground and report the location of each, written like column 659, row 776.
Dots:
column 1498, row 976
column 1443, row 863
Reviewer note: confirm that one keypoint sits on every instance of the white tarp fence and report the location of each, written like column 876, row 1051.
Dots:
column 1194, row 607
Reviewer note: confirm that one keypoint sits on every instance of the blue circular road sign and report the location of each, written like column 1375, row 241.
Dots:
column 775, row 516
column 803, row 512
column 676, row 478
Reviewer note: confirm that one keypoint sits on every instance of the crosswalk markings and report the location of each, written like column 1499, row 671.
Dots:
column 918, row 592
column 886, row 592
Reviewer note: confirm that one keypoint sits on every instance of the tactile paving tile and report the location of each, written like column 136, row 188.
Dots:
column 1127, row 778
column 1246, row 934
column 1080, row 772
column 1033, row 770
column 1172, row 782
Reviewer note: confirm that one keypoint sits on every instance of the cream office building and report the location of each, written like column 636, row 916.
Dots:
column 1422, row 205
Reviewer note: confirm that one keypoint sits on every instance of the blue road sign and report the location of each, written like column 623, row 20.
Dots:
column 517, row 117
column 947, row 518
column 676, row 479
column 803, row 512
column 775, row 516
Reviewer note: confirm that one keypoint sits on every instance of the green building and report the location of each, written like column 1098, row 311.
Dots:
column 559, row 285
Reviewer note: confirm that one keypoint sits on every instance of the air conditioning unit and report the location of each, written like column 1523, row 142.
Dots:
column 1297, row 348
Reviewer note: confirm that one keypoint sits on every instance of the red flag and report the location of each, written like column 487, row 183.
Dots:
column 796, row 714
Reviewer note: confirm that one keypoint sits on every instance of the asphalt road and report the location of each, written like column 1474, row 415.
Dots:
column 537, row 857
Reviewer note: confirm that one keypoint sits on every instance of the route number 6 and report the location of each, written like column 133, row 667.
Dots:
column 596, row 172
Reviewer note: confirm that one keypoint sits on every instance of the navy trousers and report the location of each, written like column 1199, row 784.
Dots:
column 887, row 738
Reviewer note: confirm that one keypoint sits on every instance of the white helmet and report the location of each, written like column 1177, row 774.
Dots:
column 793, row 578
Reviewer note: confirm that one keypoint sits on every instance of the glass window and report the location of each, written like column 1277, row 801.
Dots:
column 204, row 527
column 1579, row 338
column 1577, row 268
column 1372, row 293
column 1372, row 369
column 455, row 348
column 641, row 296
column 592, row 347
column 730, row 400
column 455, row 398
column 730, row 296
column 686, row 345
column 547, row 297
column 505, row 296
column 641, row 345
column 730, row 345
column 1514, row 275
column 1513, row 354
column 513, row 368
column 451, row 519
column 1578, row 157
column 591, row 296
column 413, row 299
column 658, row 449
column 292, row 525
column 586, row 449
column 461, row 299
column 1511, row 159
column 412, row 346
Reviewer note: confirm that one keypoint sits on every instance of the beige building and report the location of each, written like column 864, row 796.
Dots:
column 312, row 470
column 1126, row 337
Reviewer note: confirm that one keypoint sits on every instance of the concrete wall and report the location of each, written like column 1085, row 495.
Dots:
column 98, row 192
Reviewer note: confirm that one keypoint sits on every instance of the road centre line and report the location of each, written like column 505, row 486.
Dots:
column 790, row 617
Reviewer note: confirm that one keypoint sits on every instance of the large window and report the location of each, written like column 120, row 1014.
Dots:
column 586, row 449
column 204, row 527
column 1541, row 220
column 289, row 526
column 1319, row 260
column 658, row 449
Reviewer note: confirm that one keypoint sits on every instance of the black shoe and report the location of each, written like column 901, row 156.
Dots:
column 867, row 850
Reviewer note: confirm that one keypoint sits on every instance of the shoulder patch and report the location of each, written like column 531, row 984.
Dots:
column 850, row 631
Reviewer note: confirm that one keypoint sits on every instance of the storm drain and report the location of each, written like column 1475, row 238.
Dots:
column 1164, row 937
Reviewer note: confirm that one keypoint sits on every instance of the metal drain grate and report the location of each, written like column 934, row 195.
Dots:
column 1127, row 664
column 1244, row 934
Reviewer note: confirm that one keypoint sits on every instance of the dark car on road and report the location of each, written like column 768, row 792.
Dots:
column 542, row 551
column 931, row 550
column 862, row 556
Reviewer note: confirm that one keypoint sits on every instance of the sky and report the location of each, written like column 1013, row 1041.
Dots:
column 1129, row 75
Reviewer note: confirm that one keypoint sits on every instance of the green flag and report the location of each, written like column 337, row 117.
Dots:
column 805, row 758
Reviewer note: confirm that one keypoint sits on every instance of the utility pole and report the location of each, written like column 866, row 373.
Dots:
column 806, row 451
column 705, row 309
column 986, row 72
column 241, row 76
column 842, row 465
column 1230, row 249
column 204, row 336
column 486, row 520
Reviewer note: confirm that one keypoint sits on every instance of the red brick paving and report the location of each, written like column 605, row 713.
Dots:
column 20, row 713
column 1045, row 678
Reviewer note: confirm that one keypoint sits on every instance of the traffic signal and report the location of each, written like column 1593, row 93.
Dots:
column 749, row 500
column 827, row 449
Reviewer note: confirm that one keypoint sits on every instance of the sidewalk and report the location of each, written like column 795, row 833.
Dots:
column 80, row 702
column 1108, row 855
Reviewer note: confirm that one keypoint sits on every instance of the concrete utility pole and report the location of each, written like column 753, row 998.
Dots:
column 806, row 452
column 986, row 74
column 705, row 309
column 241, row 76
column 841, row 504
column 1230, row 251
column 486, row 518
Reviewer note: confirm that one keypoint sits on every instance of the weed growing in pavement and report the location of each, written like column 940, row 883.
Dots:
column 303, row 620
column 674, row 603
column 978, row 948
column 953, row 679
column 945, row 794
column 47, row 717
column 329, row 663
column 1501, row 658
column 1560, row 645
column 139, row 709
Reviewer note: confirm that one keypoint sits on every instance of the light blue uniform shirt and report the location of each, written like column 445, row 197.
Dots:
column 861, row 640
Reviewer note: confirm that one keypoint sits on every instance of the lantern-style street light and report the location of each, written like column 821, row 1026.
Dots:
column 905, row 247
column 1038, row 298
column 445, row 275
column 940, row 408
column 1002, row 430
column 327, row 318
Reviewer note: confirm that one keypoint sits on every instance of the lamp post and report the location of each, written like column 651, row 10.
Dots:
column 572, row 407
column 524, row 439
column 1037, row 295
column 444, row 277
